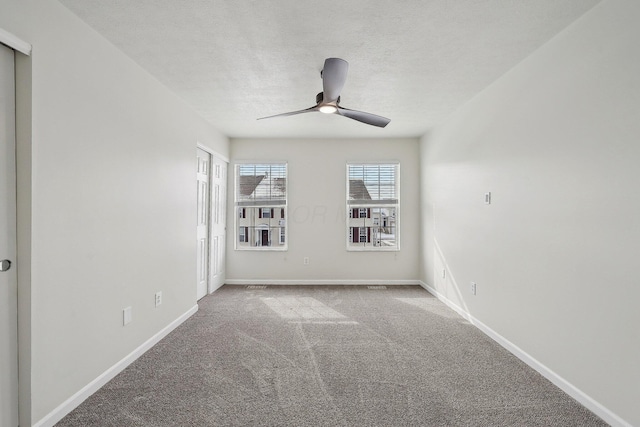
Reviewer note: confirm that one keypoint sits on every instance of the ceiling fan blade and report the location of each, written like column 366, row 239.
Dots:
column 292, row 113
column 334, row 74
column 361, row 116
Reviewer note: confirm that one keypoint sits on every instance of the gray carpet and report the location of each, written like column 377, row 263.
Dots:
column 328, row 356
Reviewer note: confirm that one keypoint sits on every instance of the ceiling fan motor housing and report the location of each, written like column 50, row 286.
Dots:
column 320, row 98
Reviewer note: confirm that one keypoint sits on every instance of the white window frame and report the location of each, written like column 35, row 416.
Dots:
column 252, row 207
column 372, row 245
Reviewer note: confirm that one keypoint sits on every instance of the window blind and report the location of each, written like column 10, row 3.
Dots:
column 261, row 184
column 372, row 184
column 372, row 206
column 261, row 200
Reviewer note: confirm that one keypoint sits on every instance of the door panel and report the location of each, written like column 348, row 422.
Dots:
column 218, row 222
column 202, row 227
column 8, row 277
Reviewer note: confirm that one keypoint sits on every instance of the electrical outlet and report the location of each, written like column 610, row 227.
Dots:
column 487, row 198
column 126, row 316
column 305, row 260
column 158, row 298
column 473, row 288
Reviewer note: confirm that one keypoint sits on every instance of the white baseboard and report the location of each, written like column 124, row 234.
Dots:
column 320, row 282
column 587, row 401
column 215, row 288
column 462, row 312
column 71, row 403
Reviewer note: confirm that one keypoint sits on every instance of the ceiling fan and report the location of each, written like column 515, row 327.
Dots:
column 334, row 74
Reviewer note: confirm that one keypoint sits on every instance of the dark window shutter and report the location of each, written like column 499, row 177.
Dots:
column 355, row 213
column 259, row 212
column 368, row 234
column 282, row 213
column 272, row 213
column 369, row 213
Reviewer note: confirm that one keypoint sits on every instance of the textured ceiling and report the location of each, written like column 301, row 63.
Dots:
column 412, row 61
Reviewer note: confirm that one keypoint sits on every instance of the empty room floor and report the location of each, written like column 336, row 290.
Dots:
column 328, row 356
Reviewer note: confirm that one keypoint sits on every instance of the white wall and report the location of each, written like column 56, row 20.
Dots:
column 557, row 142
column 316, row 210
column 111, row 201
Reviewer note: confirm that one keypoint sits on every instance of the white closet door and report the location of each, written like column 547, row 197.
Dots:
column 8, row 277
column 202, row 264
column 218, row 221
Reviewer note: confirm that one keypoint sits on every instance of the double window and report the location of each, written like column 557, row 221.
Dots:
column 373, row 206
column 260, row 203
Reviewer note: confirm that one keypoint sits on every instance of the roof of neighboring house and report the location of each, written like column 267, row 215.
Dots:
column 248, row 183
column 357, row 190
column 262, row 187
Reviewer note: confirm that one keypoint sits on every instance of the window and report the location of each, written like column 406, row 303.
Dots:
column 373, row 192
column 364, row 232
column 261, row 192
column 243, row 234
column 266, row 213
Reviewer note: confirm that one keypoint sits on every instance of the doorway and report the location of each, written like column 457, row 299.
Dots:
column 8, row 276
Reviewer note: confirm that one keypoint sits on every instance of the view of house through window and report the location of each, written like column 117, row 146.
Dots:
column 261, row 201
column 372, row 206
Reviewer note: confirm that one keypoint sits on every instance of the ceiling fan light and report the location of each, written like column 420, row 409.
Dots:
column 328, row 109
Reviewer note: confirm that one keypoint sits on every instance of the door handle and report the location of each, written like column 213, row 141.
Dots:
column 5, row 265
